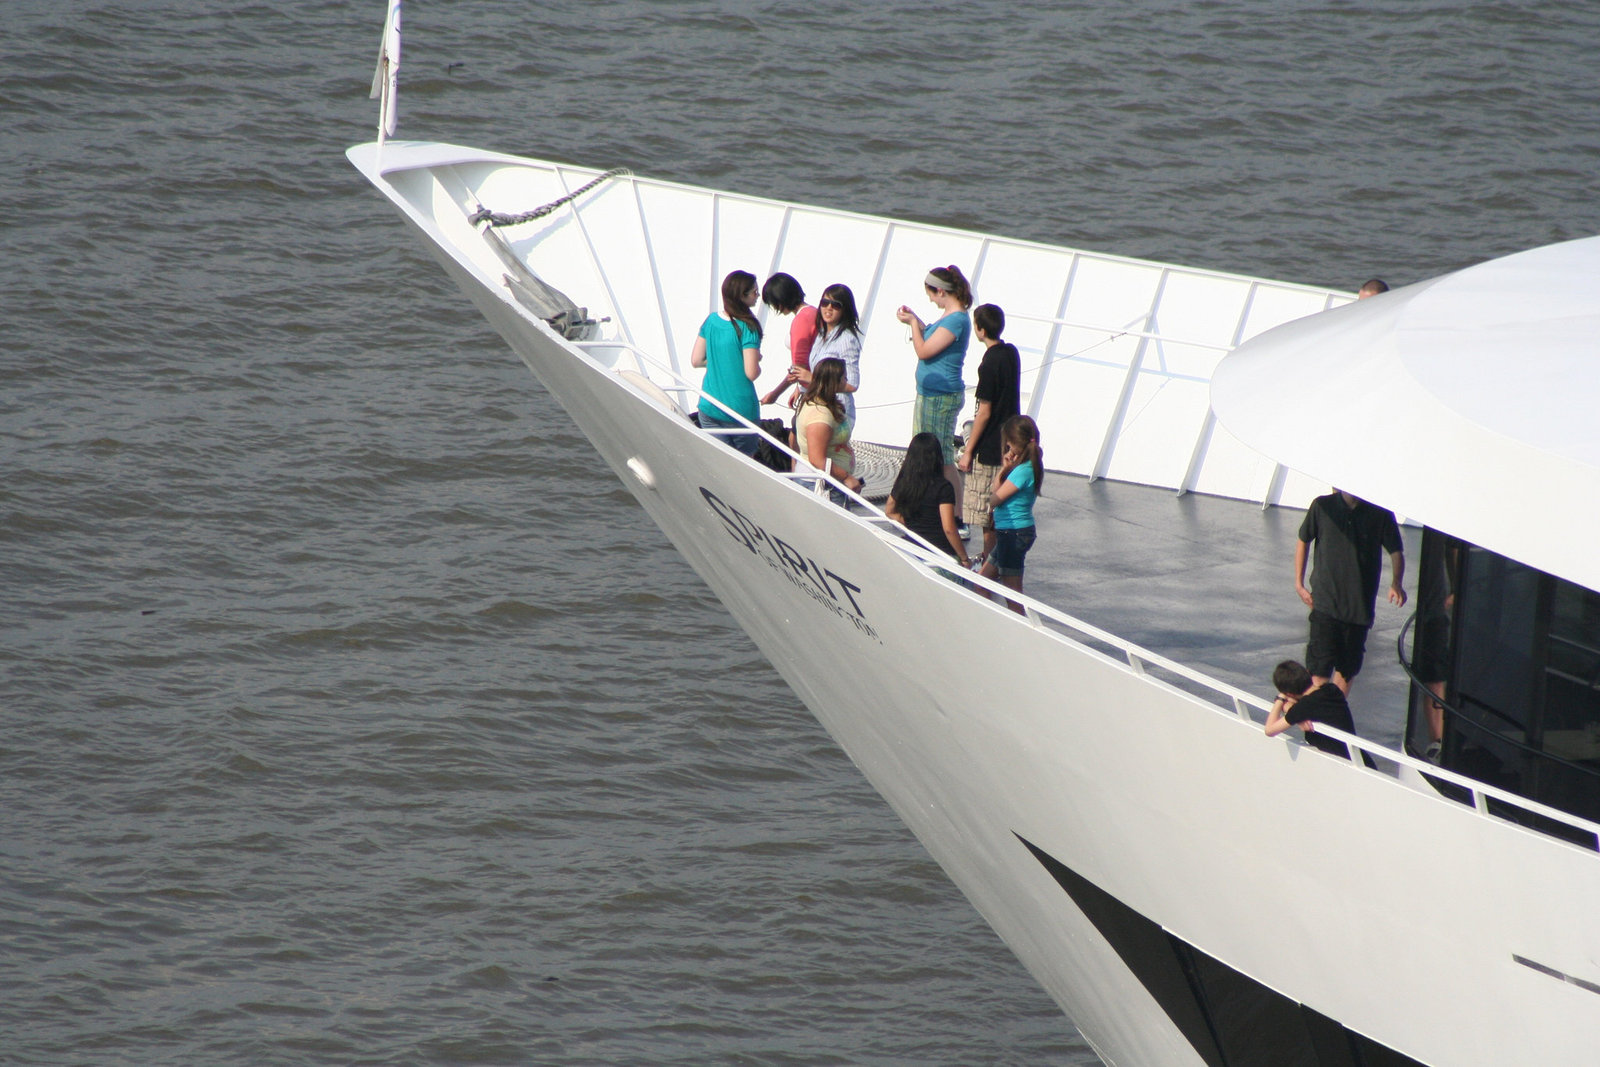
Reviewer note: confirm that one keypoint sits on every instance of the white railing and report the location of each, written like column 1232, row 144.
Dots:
column 1135, row 658
column 1076, row 632
column 644, row 361
column 1084, row 636
column 1048, row 356
column 1479, row 794
column 1115, row 332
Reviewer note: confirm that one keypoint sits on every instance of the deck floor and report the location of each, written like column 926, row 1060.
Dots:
column 1204, row 581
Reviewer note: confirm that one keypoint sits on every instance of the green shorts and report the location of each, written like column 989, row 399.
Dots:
column 937, row 415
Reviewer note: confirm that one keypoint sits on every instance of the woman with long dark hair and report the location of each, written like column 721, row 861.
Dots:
column 838, row 337
column 729, row 347
column 922, row 499
column 941, row 348
column 822, row 434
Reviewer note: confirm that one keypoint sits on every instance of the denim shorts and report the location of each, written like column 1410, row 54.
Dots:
column 1011, row 548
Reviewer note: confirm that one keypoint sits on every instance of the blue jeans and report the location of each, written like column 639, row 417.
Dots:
column 744, row 442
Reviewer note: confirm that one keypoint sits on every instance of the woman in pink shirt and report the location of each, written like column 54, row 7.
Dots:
column 784, row 295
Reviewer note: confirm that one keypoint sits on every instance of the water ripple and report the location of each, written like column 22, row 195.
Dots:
column 352, row 711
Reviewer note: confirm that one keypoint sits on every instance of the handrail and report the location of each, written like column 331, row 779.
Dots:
column 1480, row 793
column 1462, row 719
column 1137, row 659
column 1118, row 331
column 643, row 359
column 1112, row 333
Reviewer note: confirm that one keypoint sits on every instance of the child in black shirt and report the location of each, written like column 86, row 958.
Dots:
column 1302, row 704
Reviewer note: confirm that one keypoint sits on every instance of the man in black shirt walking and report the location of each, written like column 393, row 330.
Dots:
column 1350, row 536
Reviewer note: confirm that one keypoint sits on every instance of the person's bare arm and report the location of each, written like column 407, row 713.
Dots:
column 979, row 421
column 1276, row 722
column 1397, row 574
column 817, row 436
column 947, row 519
column 932, row 345
column 1003, row 488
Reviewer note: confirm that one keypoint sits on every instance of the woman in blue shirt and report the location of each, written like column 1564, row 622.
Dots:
column 729, row 348
column 941, row 348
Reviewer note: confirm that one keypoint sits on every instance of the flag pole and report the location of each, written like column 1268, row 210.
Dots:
column 386, row 79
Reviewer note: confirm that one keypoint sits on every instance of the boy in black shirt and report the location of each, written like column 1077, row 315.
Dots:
column 999, row 396
column 1303, row 703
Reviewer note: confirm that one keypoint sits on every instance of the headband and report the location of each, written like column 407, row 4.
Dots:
column 933, row 281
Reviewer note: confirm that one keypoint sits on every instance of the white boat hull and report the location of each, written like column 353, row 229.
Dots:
column 1374, row 903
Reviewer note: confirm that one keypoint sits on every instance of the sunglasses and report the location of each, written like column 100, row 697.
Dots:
column 828, row 303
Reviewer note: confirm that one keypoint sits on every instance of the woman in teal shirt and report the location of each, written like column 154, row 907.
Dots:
column 729, row 348
column 941, row 348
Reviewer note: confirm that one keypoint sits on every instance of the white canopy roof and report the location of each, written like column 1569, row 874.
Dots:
column 1470, row 403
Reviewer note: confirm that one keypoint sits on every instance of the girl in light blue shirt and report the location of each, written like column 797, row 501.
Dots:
column 1015, row 488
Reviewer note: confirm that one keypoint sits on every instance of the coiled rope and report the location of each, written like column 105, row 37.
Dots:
column 494, row 218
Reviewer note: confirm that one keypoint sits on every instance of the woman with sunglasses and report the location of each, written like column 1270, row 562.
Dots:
column 941, row 348
column 838, row 337
column 729, row 348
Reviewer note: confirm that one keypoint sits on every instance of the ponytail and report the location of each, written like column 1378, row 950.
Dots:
column 955, row 283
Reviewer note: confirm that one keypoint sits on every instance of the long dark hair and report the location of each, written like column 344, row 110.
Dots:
column 848, row 319
column 960, row 288
column 922, row 467
column 734, row 286
column 827, row 378
column 1022, row 433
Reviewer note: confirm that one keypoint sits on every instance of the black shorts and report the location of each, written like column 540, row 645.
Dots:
column 1335, row 646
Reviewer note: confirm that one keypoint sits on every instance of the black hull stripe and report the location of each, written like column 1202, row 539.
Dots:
column 1231, row 1019
column 1553, row 973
